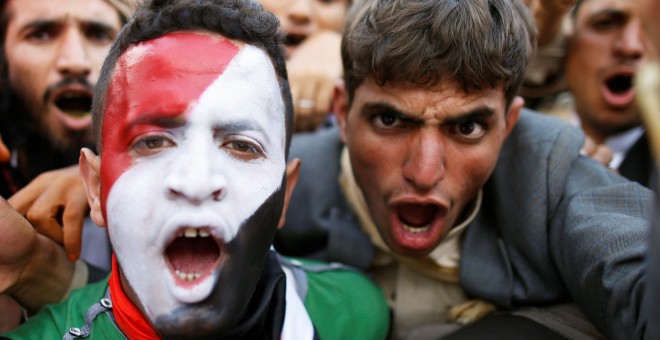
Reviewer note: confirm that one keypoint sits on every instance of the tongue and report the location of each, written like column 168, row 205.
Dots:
column 192, row 255
column 417, row 215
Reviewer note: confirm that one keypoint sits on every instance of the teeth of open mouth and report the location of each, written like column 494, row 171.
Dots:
column 193, row 232
column 188, row 276
column 415, row 230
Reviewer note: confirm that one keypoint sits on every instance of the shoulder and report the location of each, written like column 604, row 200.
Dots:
column 54, row 321
column 342, row 302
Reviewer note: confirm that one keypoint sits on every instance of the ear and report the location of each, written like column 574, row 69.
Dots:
column 90, row 169
column 340, row 107
column 513, row 114
column 292, row 170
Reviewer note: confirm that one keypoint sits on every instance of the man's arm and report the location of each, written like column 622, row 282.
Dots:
column 34, row 270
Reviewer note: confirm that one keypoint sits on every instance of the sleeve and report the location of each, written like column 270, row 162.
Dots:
column 598, row 240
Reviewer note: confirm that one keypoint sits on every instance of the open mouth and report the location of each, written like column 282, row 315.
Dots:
column 417, row 218
column 193, row 255
column 619, row 84
column 74, row 103
column 292, row 39
column 618, row 90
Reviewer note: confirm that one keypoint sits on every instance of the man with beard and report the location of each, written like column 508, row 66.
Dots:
column 51, row 54
column 603, row 53
column 193, row 116
column 52, row 51
column 456, row 200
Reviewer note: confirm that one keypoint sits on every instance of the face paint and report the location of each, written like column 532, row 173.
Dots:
column 193, row 154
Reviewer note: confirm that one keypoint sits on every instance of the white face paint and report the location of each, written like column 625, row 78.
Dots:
column 207, row 176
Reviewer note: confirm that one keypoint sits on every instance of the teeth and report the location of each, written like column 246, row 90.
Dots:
column 415, row 230
column 192, row 233
column 188, row 276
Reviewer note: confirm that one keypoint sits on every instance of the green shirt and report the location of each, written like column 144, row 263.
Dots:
column 342, row 304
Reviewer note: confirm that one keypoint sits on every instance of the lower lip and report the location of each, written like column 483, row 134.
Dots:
column 74, row 123
column 416, row 244
column 620, row 100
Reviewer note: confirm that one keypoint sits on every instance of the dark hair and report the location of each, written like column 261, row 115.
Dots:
column 479, row 43
column 242, row 20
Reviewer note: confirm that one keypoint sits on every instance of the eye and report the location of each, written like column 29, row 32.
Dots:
column 100, row 35
column 151, row 145
column 471, row 131
column 386, row 120
column 607, row 23
column 243, row 149
column 39, row 36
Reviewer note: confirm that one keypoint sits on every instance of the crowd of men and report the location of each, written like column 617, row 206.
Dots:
column 435, row 205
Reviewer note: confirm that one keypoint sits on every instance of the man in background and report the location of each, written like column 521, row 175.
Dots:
column 51, row 54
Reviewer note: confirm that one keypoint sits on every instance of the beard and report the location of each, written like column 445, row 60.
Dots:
column 37, row 149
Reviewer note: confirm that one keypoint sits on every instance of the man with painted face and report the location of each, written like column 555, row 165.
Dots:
column 193, row 117
column 455, row 199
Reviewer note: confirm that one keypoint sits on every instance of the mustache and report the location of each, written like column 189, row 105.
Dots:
column 66, row 81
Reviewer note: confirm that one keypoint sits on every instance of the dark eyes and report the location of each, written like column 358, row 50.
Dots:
column 151, row 145
column 470, row 130
column 93, row 34
column 243, row 149
column 236, row 146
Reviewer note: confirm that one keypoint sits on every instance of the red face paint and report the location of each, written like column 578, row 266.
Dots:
column 153, row 81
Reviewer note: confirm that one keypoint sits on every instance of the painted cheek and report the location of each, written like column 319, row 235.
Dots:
column 156, row 80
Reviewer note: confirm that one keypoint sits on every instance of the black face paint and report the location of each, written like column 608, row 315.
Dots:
column 218, row 315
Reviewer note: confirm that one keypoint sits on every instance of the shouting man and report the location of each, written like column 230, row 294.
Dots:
column 193, row 117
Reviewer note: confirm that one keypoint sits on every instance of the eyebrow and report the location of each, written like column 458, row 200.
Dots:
column 479, row 113
column 242, row 125
column 158, row 119
column 46, row 24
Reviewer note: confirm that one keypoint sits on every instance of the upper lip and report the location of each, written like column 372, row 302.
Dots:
column 444, row 206
column 294, row 38
column 619, row 70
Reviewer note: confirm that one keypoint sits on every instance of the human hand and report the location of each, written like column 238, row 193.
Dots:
column 313, row 70
column 33, row 269
column 4, row 152
column 599, row 152
column 56, row 205
column 549, row 16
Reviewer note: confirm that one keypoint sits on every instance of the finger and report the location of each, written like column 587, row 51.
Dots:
column 588, row 148
column 4, row 152
column 72, row 219
column 603, row 155
column 24, row 198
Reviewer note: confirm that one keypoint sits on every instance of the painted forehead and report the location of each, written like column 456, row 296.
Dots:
column 169, row 78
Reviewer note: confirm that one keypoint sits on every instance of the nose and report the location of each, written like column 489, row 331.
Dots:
column 629, row 43
column 73, row 54
column 424, row 167
column 300, row 12
column 193, row 177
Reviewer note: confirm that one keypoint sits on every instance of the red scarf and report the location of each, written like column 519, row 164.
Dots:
column 129, row 319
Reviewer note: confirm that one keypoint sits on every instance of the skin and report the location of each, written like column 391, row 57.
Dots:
column 312, row 31
column 304, row 18
column 412, row 146
column 190, row 160
column 607, row 41
column 48, row 41
column 648, row 13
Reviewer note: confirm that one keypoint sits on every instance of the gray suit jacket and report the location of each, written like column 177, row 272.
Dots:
column 554, row 226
